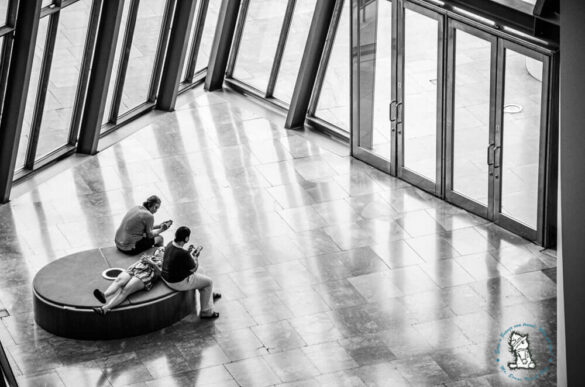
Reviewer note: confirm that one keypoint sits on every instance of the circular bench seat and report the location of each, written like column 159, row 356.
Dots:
column 63, row 299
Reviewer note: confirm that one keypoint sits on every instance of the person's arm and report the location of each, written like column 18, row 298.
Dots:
column 153, row 265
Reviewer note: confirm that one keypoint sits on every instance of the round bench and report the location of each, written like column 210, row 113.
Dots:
column 63, row 299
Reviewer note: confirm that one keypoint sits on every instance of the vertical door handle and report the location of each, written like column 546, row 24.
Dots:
column 490, row 155
column 399, row 112
column 497, row 156
column 392, row 111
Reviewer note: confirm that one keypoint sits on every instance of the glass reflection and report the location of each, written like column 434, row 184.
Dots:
column 333, row 100
column 420, row 94
column 188, row 53
column 521, row 137
column 471, row 116
column 259, row 40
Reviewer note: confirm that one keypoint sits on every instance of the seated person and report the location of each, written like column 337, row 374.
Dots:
column 140, row 275
column 179, row 272
column 138, row 233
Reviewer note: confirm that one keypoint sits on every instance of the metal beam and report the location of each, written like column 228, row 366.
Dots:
column 99, row 80
column 310, row 64
column 176, row 53
column 25, row 38
column 222, row 42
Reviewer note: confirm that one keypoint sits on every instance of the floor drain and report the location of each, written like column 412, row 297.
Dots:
column 513, row 108
column 111, row 274
column 4, row 313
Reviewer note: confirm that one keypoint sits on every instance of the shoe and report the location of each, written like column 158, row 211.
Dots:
column 101, row 297
column 214, row 315
column 216, row 296
column 100, row 311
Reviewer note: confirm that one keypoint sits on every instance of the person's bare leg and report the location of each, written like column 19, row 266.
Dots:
column 121, row 280
column 132, row 286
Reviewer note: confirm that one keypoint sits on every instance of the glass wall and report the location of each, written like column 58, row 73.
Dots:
column 56, row 73
column 258, row 43
column 488, row 154
column 200, row 41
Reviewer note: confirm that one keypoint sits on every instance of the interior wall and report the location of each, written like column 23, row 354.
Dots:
column 572, row 184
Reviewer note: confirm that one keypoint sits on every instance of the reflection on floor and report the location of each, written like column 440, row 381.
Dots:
column 332, row 272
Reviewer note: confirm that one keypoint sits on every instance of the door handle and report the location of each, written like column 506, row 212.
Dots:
column 399, row 112
column 497, row 156
column 392, row 111
column 490, row 155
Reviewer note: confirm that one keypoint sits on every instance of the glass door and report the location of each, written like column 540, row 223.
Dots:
column 519, row 159
column 418, row 114
column 374, row 35
column 471, row 89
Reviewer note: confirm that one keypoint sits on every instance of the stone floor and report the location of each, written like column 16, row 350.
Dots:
column 332, row 273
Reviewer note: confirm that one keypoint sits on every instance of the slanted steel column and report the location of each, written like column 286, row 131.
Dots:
column 25, row 38
column 176, row 54
column 222, row 42
column 99, row 80
column 310, row 64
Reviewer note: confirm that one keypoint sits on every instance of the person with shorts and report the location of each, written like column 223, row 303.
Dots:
column 139, row 276
column 179, row 272
column 138, row 233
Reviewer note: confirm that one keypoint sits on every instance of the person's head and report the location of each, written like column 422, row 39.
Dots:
column 182, row 234
column 152, row 204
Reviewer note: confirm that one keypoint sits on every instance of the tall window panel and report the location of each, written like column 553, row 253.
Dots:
column 143, row 54
column 333, row 100
column 258, row 43
column 190, row 55
column 117, row 62
column 64, row 77
column 4, row 11
column 208, row 34
column 293, row 51
column 54, row 82
column 33, row 88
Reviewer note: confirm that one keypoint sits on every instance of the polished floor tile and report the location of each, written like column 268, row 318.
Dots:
column 332, row 272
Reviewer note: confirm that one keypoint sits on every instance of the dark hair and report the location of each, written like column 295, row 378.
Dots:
column 182, row 233
column 151, row 201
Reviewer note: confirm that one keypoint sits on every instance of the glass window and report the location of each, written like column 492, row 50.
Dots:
column 258, row 43
column 32, row 92
column 521, row 137
column 333, row 103
column 188, row 53
column 116, row 65
column 4, row 11
column 208, row 34
column 142, row 54
column 64, row 77
column 293, row 50
column 47, row 2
